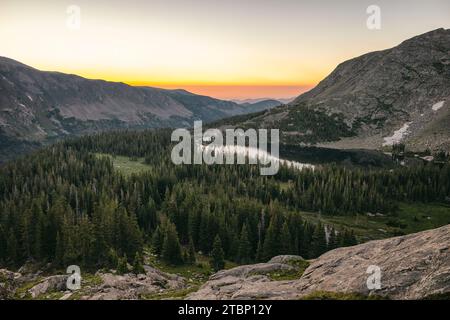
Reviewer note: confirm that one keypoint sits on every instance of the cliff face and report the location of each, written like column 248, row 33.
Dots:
column 415, row 266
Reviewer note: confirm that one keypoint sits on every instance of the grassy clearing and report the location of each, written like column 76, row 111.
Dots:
column 196, row 273
column 126, row 165
column 410, row 218
column 418, row 217
column 300, row 267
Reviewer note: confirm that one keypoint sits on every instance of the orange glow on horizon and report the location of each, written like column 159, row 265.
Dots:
column 239, row 92
column 226, row 49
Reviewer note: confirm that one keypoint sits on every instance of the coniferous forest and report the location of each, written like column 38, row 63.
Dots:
column 65, row 205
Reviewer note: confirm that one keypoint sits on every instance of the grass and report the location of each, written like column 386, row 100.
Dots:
column 326, row 295
column 196, row 273
column 293, row 274
column 410, row 218
column 22, row 291
column 172, row 294
column 88, row 280
column 417, row 217
column 126, row 165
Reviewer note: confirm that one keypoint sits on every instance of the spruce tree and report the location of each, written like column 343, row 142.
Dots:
column 138, row 265
column 171, row 250
column 319, row 241
column 112, row 258
column 272, row 245
column 191, row 252
column 59, row 250
column 122, row 265
column 158, row 240
column 11, row 249
column 245, row 248
column 259, row 252
column 286, row 240
column 217, row 255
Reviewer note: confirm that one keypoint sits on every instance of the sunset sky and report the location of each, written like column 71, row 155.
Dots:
column 232, row 49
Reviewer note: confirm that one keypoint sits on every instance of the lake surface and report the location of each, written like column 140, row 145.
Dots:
column 254, row 154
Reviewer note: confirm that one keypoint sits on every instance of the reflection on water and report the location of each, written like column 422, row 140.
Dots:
column 253, row 155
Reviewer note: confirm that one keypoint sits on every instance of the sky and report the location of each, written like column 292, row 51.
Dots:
column 234, row 49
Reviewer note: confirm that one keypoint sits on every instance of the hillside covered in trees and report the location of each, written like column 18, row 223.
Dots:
column 65, row 204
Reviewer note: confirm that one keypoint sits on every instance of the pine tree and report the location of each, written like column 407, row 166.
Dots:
column 171, row 250
column 272, row 245
column 245, row 248
column 59, row 250
column 138, row 265
column 158, row 240
column 217, row 261
column 122, row 265
column 3, row 245
column 286, row 240
column 259, row 252
column 11, row 249
column 319, row 241
column 191, row 252
column 113, row 259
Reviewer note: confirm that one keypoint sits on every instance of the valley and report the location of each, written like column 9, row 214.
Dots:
column 40, row 107
column 120, row 204
column 87, row 178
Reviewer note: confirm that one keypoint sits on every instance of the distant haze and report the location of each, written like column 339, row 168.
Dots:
column 245, row 92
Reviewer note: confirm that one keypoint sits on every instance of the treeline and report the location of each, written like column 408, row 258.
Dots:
column 66, row 205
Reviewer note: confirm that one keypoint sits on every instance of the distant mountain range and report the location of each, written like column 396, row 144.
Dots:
column 37, row 107
column 373, row 101
column 396, row 95
column 262, row 104
column 253, row 101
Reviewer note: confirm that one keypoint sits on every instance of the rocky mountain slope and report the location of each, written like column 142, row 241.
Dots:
column 415, row 266
column 375, row 100
column 38, row 106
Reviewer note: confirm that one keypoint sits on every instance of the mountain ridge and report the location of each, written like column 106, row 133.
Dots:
column 365, row 101
column 42, row 106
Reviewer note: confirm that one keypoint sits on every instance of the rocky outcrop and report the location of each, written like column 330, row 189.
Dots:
column 131, row 286
column 251, row 281
column 49, row 284
column 415, row 266
column 101, row 286
column 8, row 283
